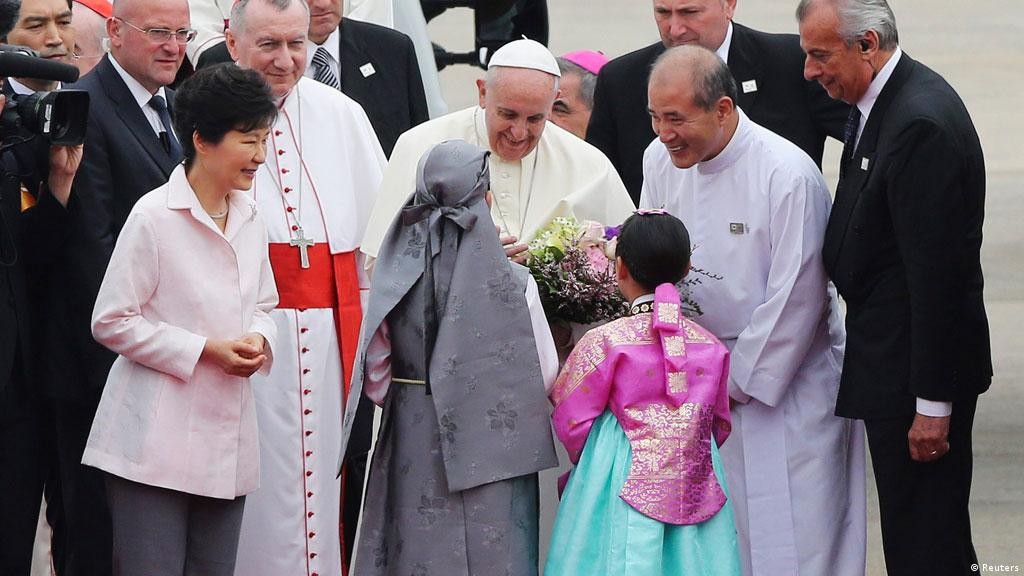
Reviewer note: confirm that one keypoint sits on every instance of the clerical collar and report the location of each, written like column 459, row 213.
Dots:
column 736, row 147
column 641, row 304
column 867, row 101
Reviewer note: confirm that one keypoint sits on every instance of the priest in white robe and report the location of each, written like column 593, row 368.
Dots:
column 538, row 170
column 756, row 208
column 315, row 193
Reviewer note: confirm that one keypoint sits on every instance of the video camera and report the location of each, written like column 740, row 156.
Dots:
column 59, row 116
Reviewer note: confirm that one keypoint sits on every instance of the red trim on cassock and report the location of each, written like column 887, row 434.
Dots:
column 331, row 281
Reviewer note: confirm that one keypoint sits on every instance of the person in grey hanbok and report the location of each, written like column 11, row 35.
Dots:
column 456, row 350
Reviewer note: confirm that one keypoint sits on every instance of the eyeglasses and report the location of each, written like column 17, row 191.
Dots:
column 162, row 35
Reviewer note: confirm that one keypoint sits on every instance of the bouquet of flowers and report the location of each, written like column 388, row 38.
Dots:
column 574, row 266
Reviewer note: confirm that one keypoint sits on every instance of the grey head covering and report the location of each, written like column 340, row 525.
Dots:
column 482, row 368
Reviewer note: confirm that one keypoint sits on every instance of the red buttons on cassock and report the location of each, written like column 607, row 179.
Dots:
column 307, row 411
column 285, row 170
column 309, row 452
column 309, row 432
column 305, row 370
column 280, row 152
column 303, row 330
column 310, row 514
column 312, row 555
column 312, row 534
column 309, row 494
column 306, row 392
column 287, row 189
column 304, row 350
column 309, row 473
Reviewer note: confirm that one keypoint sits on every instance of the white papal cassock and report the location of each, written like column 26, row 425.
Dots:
column 562, row 176
column 756, row 214
column 290, row 525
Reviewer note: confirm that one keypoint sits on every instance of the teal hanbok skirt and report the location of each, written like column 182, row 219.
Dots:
column 596, row 533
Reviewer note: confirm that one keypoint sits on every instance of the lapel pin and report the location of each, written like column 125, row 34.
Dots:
column 737, row 228
column 750, row 86
column 367, row 70
column 864, row 163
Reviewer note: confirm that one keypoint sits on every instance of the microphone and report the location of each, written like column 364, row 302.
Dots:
column 22, row 62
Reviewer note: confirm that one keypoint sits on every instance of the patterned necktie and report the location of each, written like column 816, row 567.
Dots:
column 849, row 139
column 167, row 137
column 322, row 69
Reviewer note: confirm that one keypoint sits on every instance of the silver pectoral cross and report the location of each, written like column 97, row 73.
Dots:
column 303, row 245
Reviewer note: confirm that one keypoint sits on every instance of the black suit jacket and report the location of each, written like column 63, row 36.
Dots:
column 392, row 95
column 903, row 247
column 783, row 101
column 29, row 241
column 123, row 159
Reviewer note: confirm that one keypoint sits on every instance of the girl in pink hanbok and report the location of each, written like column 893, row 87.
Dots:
column 641, row 407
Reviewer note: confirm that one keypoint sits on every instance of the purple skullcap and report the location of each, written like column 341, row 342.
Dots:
column 589, row 60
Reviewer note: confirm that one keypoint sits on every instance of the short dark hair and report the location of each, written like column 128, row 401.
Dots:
column 218, row 99
column 655, row 247
column 9, row 10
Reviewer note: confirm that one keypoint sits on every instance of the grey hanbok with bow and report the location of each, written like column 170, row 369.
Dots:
column 452, row 488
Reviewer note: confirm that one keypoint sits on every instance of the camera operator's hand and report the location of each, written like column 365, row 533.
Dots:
column 64, row 161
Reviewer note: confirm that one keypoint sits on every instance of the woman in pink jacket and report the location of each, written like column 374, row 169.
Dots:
column 185, row 303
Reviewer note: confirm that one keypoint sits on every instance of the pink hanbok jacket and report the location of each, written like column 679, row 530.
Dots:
column 664, row 377
column 167, row 418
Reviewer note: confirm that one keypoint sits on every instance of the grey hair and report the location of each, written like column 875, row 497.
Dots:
column 588, row 80
column 237, row 18
column 491, row 76
column 709, row 75
column 857, row 17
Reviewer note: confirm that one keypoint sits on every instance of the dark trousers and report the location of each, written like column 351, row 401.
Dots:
column 355, row 473
column 23, row 468
column 926, row 524
column 161, row 532
column 85, row 546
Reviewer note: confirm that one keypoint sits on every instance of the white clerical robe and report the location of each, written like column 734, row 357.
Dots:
column 290, row 525
column 562, row 176
column 756, row 214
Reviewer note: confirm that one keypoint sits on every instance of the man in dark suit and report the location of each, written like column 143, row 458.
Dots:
column 903, row 247
column 371, row 64
column 130, row 149
column 767, row 69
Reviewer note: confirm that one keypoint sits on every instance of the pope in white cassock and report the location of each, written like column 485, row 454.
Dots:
column 756, row 208
column 538, row 170
column 314, row 192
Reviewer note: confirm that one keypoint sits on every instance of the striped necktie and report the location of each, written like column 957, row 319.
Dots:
column 849, row 139
column 322, row 69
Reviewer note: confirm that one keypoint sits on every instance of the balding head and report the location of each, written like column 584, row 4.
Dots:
column 151, row 62
column 90, row 30
column 517, row 103
column 691, row 99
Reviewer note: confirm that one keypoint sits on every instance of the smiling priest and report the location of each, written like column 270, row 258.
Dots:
column 315, row 191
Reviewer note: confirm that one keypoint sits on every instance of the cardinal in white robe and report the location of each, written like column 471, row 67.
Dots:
column 315, row 193
column 538, row 170
column 756, row 207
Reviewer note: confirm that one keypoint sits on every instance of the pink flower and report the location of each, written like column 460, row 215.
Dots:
column 598, row 261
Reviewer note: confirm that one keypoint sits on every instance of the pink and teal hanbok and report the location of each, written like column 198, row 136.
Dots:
column 636, row 406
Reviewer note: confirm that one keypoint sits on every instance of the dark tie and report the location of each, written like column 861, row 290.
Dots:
column 322, row 69
column 167, row 138
column 849, row 139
